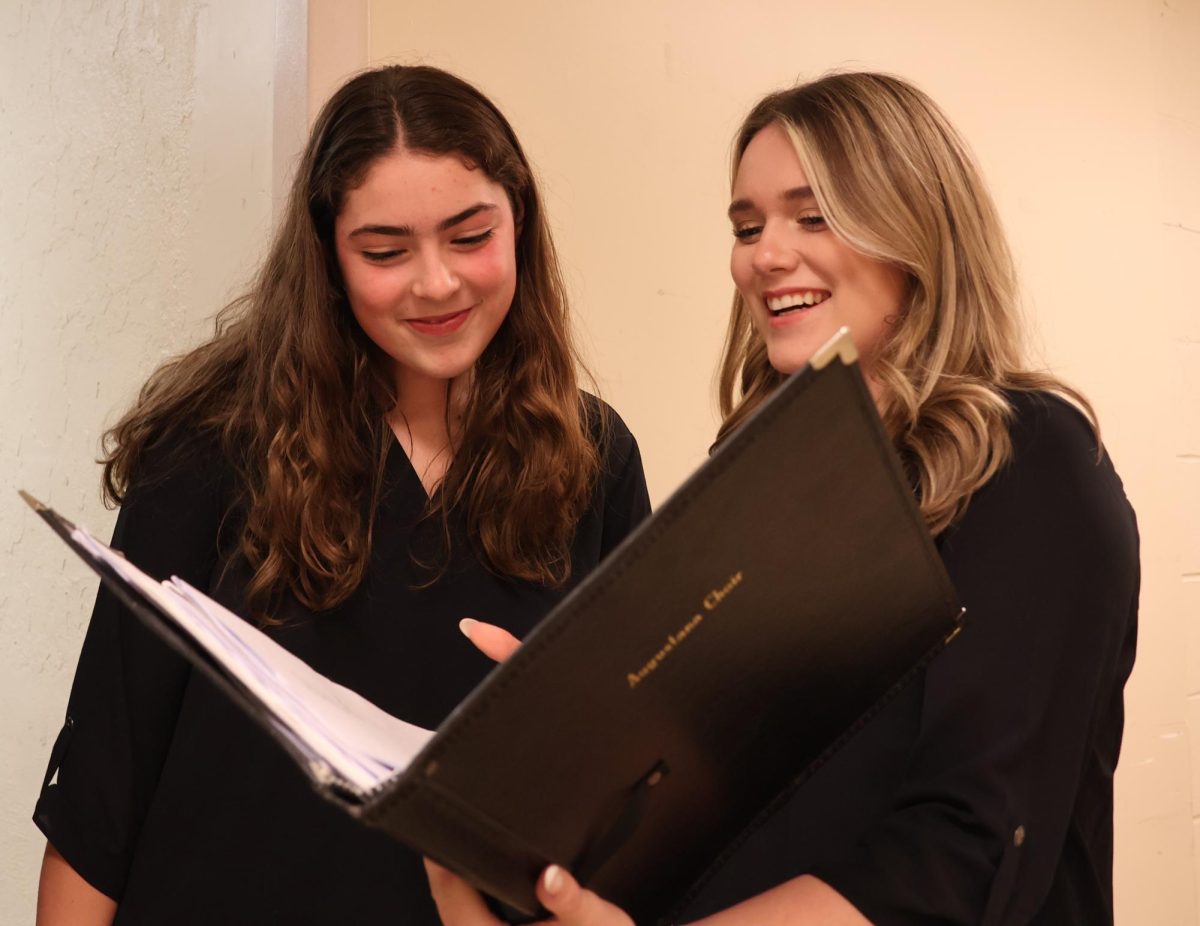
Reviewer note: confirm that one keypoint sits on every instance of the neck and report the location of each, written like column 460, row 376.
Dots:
column 422, row 400
column 426, row 421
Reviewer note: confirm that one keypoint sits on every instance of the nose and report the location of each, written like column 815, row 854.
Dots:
column 435, row 278
column 774, row 252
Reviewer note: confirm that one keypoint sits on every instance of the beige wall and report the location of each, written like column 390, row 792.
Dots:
column 1086, row 118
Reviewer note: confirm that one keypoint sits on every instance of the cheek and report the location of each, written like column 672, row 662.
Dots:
column 741, row 269
column 887, row 288
column 494, row 271
column 878, row 287
column 880, row 301
column 370, row 293
column 374, row 295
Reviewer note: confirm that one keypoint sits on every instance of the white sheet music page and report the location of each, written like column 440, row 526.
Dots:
column 332, row 725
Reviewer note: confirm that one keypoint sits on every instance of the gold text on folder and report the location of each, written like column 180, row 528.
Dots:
column 711, row 602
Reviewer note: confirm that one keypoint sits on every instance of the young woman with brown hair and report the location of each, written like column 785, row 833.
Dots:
column 385, row 435
column 982, row 794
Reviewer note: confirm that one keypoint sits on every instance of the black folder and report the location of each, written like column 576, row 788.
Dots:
column 689, row 684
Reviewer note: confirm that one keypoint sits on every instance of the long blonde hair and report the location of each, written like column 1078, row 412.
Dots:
column 298, row 395
column 895, row 181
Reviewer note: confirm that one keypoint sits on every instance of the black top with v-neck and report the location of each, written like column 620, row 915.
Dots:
column 170, row 800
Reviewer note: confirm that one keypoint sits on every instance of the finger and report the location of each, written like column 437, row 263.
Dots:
column 457, row 902
column 494, row 642
column 572, row 905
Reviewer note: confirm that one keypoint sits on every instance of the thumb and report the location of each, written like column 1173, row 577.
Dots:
column 494, row 642
column 572, row 905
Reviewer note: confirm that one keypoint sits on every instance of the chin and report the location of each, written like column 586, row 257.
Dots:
column 450, row 372
column 787, row 360
column 429, row 368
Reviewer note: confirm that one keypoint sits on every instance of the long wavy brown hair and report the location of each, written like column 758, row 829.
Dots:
column 298, row 395
column 895, row 181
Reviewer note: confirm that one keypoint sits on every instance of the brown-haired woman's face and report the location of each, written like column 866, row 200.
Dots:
column 427, row 251
column 799, row 280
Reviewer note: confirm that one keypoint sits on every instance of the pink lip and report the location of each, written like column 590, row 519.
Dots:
column 438, row 325
column 792, row 318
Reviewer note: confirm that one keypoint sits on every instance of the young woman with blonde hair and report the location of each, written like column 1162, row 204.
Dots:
column 385, row 435
column 983, row 793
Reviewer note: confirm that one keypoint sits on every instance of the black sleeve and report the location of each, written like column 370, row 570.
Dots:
column 1021, row 719
column 127, row 689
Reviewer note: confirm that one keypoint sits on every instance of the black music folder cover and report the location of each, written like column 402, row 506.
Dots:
column 682, row 691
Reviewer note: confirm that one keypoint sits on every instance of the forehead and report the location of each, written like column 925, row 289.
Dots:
column 413, row 185
column 769, row 167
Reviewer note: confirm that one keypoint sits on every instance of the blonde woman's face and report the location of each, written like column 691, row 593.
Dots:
column 799, row 280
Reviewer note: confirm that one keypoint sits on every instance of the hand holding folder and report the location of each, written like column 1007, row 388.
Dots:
column 675, row 697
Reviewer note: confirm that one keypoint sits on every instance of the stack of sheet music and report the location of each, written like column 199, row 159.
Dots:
column 335, row 728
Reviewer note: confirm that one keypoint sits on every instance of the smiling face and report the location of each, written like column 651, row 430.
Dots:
column 427, row 251
column 800, row 281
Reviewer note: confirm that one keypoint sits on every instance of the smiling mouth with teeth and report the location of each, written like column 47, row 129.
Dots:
column 791, row 302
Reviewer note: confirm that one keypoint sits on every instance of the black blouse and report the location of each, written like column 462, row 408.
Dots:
column 166, row 798
column 983, row 793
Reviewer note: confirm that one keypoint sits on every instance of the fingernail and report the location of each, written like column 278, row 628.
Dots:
column 466, row 625
column 552, row 879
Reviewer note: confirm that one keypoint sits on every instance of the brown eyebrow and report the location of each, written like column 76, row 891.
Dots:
column 739, row 206
column 405, row 231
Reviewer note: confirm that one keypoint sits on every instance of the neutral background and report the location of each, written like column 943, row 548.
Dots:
column 145, row 146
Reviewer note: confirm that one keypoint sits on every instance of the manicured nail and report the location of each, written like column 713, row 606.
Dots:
column 552, row 879
column 466, row 625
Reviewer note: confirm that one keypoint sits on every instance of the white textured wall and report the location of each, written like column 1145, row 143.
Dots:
column 1086, row 117
column 135, row 194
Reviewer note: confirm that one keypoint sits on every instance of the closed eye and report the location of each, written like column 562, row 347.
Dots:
column 746, row 232
column 474, row 239
column 379, row 257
